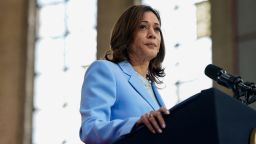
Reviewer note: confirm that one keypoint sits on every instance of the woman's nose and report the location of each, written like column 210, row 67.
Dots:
column 151, row 33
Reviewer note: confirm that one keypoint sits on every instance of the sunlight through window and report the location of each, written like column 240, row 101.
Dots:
column 66, row 43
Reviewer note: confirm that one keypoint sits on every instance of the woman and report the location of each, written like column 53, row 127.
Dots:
column 120, row 92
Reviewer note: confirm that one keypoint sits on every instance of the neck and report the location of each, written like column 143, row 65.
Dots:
column 140, row 67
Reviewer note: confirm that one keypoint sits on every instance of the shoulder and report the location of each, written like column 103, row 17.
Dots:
column 101, row 64
column 102, row 67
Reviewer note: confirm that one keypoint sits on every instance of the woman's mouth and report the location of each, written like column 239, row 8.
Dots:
column 150, row 44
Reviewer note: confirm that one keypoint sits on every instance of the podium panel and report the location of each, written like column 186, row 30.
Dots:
column 209, row 117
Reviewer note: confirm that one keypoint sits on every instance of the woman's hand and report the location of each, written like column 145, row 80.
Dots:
column 154, row 120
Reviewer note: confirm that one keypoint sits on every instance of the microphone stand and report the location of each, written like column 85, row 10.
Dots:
column 251, row 98
column 244, row 92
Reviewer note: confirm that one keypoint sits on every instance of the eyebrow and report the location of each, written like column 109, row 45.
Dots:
column 154, row 23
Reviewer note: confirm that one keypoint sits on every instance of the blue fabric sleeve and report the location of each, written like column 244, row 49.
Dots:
column 98, row 95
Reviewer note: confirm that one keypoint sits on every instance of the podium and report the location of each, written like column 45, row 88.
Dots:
column 209, row 117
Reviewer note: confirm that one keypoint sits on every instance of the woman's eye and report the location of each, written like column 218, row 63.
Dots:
column 158, row 29
column 143, row 27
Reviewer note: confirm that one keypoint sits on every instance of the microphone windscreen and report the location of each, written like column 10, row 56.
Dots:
column 212, row 71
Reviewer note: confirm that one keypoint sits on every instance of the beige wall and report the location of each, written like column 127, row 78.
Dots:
column 13, row 28
column 224, row 45
column 108, row 13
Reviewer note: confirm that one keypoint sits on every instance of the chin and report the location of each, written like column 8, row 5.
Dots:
column 152, row 56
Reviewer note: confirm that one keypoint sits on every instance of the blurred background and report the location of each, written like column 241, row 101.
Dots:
column 46, row 46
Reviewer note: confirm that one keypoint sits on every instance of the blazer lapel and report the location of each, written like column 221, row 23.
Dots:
column 158, row 97
column 136, row 83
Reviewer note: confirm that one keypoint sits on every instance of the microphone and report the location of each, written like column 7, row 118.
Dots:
column 246, row 90
column 225, row 79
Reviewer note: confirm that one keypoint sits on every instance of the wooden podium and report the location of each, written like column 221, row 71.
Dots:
column 209, row 117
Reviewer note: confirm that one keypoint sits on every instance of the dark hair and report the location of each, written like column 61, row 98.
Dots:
column 122, row 36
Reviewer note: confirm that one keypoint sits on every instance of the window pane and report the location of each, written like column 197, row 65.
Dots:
column 49, row 55
column 52, row 20
column 66, row 43
column 81, row 48
column 45, row 2
column 79, row 13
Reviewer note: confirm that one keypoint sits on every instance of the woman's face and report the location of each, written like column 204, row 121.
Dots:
column 147, row 38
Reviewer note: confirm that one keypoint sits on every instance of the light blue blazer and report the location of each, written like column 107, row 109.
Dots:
column 113, row 99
